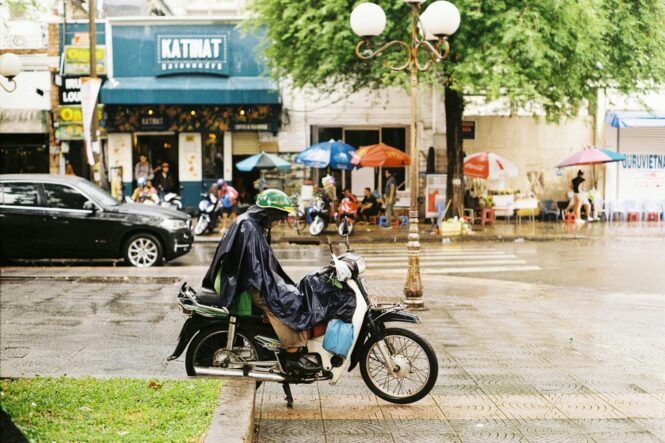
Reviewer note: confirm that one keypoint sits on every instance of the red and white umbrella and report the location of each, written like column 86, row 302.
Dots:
column 489, row 166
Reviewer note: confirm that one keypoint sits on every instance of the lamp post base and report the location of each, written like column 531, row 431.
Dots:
column 413, row 289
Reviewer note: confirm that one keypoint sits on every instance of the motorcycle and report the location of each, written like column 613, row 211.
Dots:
column 320, row 213
column 171, row 200
column 208, row 214
column 346, row 217
column 396, row 364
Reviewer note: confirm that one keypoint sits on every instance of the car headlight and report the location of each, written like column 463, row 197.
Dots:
column 173, row 224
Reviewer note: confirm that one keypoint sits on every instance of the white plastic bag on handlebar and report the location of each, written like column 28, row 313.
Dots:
column 342, row 269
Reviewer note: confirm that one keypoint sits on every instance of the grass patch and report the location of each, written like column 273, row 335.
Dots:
column 88, row 409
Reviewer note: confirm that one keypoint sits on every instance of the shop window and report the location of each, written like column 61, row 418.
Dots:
column 63, row 197
column 213, row 155
column 325, row 134
column 395, row 137
column 23, row 153
column 19, row 194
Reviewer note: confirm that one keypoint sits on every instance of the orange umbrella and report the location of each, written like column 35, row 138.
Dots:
column 380, row 155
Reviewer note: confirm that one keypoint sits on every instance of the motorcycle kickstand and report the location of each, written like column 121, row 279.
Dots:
column 287, row 393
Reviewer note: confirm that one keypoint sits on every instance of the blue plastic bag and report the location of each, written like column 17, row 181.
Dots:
column 338, row 338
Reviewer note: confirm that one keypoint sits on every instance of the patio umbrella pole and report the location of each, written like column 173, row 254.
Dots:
column 380, row 180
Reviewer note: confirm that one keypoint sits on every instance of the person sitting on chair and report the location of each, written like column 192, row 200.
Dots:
column 369, row 207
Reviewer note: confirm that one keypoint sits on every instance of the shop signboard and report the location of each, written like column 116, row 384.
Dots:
column 77, row 60
column 468, row 129
column 642, row 176
column 436, row 194
column 192, row 53
column 73, row 114
column 70, row 91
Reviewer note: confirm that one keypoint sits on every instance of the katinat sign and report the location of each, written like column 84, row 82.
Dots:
column 180, row 54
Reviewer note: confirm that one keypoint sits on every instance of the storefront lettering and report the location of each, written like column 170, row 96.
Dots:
column 70, row 93
column 191, row 48
column 644, row 161
column 178, row 54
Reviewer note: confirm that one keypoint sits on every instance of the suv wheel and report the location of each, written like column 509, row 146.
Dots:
column 143, row 250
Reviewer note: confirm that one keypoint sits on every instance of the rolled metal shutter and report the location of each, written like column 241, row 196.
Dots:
column 246, row 143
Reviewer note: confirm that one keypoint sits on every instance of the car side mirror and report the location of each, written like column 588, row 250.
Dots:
column 90, row 206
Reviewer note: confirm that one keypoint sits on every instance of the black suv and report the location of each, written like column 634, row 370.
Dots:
column 55, row 216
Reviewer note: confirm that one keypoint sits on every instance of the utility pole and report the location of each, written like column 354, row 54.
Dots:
column 92, row 33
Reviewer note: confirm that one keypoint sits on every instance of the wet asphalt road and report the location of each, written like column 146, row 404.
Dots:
column 621, row 265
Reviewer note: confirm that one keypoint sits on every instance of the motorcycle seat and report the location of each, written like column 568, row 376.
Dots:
column 207, row 297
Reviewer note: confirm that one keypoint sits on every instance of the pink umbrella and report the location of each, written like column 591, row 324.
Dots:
column 587, row 156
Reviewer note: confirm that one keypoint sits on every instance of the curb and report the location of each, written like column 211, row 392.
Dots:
column 233, row 419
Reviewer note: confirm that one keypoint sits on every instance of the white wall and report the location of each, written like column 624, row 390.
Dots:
column 534, row 146
column 25, row 96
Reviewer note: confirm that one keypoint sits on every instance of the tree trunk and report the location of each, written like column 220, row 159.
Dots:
column 454, row 102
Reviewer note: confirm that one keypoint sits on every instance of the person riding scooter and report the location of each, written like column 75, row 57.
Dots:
column 244, row 261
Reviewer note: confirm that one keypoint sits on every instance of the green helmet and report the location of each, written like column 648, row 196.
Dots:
column 274, row 198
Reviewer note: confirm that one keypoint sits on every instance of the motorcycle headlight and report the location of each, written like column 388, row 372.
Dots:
column 173, row 224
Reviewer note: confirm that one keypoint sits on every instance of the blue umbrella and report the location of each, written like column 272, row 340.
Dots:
column 335, row 154
column 263, row 161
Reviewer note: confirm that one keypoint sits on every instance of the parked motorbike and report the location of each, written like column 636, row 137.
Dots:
column 208, row 214
column 171, row 200
column 346, row 217
column 320, row 213
column 396, row 364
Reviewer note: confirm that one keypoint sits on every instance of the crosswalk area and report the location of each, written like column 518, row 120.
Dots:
column 447, row 261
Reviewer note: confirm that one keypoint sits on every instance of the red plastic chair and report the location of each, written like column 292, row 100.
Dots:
column 486, row 216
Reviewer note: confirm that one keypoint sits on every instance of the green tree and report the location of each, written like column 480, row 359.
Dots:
column 550, row 55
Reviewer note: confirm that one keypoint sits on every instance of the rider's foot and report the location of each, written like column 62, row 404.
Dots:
column 301, row 362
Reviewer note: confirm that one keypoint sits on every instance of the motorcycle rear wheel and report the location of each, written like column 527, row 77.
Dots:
column 415, row 358
column 208, row 342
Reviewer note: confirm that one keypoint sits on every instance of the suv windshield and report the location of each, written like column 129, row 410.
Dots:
column 98, row 194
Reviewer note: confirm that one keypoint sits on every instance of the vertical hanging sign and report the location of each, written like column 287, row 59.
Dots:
column 89, row 90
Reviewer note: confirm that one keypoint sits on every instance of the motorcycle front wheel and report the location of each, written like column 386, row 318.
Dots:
column 201, row 225
column 415, row 368
column 316, row 227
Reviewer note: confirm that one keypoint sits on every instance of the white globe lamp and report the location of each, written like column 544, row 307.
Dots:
column 368, row 20
column 441, row 18
column 10, row 65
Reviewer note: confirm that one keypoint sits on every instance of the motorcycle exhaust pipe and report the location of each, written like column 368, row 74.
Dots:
column 226, row 372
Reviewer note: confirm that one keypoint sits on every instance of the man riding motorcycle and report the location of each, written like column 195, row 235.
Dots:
column 244, row 261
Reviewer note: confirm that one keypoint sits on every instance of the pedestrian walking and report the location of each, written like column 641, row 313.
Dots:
column 581, row 198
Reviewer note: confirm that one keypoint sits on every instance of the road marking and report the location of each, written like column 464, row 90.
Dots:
column 428, row 264
column 441, row 257
column 463, row 270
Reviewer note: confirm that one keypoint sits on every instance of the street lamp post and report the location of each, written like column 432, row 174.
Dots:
column 10, row 67
column 438, row 21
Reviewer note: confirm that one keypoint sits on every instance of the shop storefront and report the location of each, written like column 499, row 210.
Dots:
column 190, row 93
column 640, row 136
column 67, row 116
column 24, row 146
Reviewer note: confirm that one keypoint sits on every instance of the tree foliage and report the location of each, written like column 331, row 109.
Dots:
column 552, row 53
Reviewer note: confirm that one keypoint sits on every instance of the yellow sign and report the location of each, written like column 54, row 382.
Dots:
column 73, row 114
column 77, row 60
column 73, row 131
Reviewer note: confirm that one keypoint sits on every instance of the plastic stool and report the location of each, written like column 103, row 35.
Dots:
column 486, row 216
column 653, row 216
column 404, row 220
column 633, row 216
column 568, row 217
column 374, row 219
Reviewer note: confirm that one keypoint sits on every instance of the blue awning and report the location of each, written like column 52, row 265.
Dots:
column 190, row 90
column 635, row 119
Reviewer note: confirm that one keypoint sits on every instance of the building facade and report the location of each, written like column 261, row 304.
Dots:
column 189, row 92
